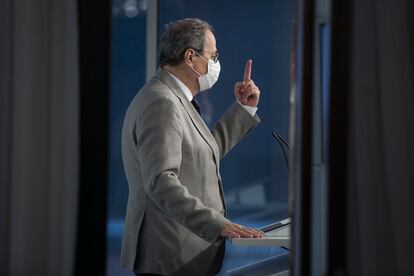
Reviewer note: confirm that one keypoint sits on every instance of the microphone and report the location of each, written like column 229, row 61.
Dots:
column 282, row 142
column 281, row 139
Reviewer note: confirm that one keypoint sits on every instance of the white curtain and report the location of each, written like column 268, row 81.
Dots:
column 381, row 139
column 39, row 136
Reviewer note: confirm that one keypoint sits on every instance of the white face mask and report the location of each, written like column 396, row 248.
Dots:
column 213, row 71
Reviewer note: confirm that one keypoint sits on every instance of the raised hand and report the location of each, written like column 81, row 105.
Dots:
column 247, row 92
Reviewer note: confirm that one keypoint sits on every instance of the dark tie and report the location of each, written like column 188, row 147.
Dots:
column 196, row 106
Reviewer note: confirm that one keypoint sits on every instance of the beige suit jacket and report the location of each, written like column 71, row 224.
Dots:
column 176, row 207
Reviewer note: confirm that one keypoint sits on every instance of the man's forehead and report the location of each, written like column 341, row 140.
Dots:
column 210, row 41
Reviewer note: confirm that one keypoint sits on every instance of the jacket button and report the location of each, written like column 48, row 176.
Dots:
column 206, row 236
column 222, row 212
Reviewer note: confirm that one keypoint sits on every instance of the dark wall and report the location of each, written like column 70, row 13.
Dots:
column 94, row 41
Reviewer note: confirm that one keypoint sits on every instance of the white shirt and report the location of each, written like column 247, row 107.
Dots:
column 251, row 109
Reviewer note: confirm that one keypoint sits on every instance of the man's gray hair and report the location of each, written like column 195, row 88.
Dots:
column 180, row 36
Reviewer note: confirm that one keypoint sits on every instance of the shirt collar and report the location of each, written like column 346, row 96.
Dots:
column 183, row 87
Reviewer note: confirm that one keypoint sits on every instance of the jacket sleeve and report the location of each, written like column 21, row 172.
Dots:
column 159, row 137
column 232, row 127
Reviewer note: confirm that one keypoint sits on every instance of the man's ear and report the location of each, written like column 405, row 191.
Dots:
column 188, row 56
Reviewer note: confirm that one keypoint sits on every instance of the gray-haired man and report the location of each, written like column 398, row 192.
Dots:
column 175, row 220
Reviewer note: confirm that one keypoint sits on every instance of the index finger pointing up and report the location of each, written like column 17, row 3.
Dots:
column 248, row 70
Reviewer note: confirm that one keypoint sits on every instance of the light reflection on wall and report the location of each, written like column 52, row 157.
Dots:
column 129, row 8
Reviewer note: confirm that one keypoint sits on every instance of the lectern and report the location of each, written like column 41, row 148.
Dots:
column 276, row 234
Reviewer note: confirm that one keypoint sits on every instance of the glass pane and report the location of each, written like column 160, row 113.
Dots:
column 255, row 175
column 128, row 36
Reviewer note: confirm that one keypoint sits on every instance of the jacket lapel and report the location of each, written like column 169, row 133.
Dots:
column 198, row 122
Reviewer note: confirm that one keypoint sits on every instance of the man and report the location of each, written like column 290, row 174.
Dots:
column 175, row 219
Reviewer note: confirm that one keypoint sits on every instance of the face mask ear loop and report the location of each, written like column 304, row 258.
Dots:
column 203, row 58
column 198, row 74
